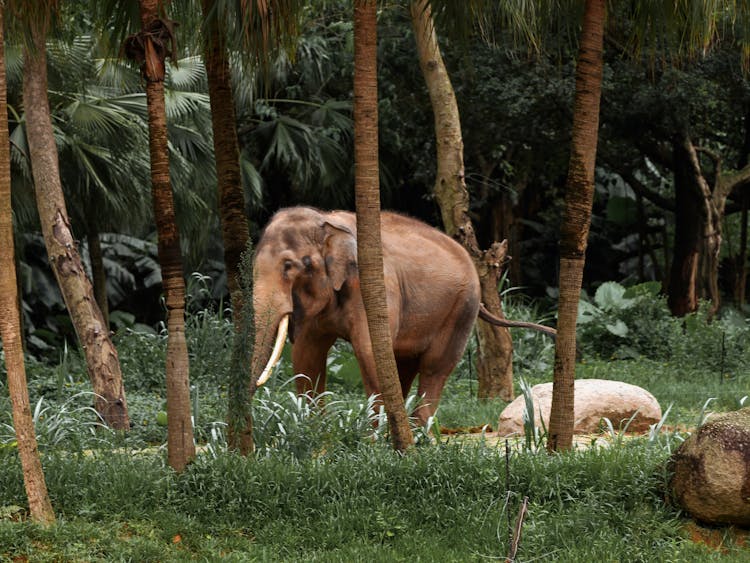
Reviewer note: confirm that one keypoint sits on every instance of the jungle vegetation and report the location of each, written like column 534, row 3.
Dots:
column 149, row 142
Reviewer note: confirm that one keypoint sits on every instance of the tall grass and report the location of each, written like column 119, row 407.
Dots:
column 443, row 503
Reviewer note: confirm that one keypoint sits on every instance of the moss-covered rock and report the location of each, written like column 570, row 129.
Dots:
column 711, row 470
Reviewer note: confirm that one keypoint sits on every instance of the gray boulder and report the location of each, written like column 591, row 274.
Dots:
column 711, row 470
column 594, row 399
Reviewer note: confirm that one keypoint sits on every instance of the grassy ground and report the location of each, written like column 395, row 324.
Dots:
column 323, row 489
column 447, row 503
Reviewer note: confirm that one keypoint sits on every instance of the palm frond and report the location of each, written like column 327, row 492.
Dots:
column 188, row 75
column 334, row 114
column 117, row 74
column 180, row 105
column 252, row 181
column 97, row 117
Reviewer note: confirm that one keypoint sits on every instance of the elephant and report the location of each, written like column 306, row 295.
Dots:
column 306, row 284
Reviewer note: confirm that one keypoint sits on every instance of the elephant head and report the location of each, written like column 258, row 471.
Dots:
column 303, row 257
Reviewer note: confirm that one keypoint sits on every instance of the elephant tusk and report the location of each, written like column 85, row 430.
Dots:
column 276, row 354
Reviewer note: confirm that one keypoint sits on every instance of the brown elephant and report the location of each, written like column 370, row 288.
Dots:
column 305, row 281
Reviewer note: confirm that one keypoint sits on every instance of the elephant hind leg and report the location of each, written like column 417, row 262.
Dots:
column 438, row 361
column 407, row 372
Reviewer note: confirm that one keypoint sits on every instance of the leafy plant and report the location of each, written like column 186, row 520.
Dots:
column 68, row 424
column 535, row 437
column 306, row 425
column 625, row 322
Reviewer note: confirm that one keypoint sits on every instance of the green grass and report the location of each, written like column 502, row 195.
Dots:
column 322, row 489
column 438, row 504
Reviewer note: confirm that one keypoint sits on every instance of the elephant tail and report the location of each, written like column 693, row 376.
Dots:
column 485, row 315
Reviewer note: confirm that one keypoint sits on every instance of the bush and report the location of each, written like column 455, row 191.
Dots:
column 630, row 323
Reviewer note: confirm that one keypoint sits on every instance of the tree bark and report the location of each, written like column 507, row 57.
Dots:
column 234, row 226
column 495, row 350
column 102, row 362
column 682, row 293
column 40, row 506
column 155, row 38
column 698, row 226
column 579, row 197
column 235, row 231
column 367, row 194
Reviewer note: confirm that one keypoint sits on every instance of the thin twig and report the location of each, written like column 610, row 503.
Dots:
column 516, row 539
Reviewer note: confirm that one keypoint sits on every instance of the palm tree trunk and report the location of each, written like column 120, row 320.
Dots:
column 367, row 194
column 40, row 506
column 234, row 226
column 235, row 231
column 180, row 444
column 579, row 197
column 495, row 351
column 102, row 361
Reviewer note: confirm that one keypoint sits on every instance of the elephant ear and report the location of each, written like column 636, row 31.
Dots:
column 340, row 253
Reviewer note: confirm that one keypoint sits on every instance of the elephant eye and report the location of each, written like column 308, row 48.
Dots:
column 288, row 265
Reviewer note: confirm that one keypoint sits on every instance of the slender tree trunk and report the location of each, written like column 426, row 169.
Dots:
column 579, row 197
column 367, row 193
column 495, row 350
column 10, row 327
column 156, row 39
column 682, row 295
column 102, row 362
column 98, row 275
column 234, row 226
column 235, row 231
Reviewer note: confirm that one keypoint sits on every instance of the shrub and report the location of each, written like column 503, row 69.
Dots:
column 625, row 323
column 622, row 323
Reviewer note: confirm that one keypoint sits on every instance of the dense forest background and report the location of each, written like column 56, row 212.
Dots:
column 295, row 132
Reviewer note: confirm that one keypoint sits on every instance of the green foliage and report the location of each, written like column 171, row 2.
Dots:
column 71, row 423
column 303, row 426
column 625, row 323
column 535, row 437
column 628, row 323
column 118, row 499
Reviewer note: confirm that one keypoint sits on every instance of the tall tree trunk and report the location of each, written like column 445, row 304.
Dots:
column 40, row 506
column 102, row 362
column 495, row 350
column 235, row 231
column 699, row 228
column 234, row 226
column 98, row 275
column 579, row 197
column 367, row 193
column 682, row 293
column 156, row 41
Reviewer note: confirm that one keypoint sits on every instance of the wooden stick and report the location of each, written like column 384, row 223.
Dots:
column 516, row 538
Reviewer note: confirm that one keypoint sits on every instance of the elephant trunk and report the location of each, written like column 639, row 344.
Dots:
column 272, row 310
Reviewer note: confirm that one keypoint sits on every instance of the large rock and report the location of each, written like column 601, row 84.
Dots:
column 594, row 399
column 711, row 470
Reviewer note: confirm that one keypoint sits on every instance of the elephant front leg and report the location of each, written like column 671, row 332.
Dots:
column 309, row 354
